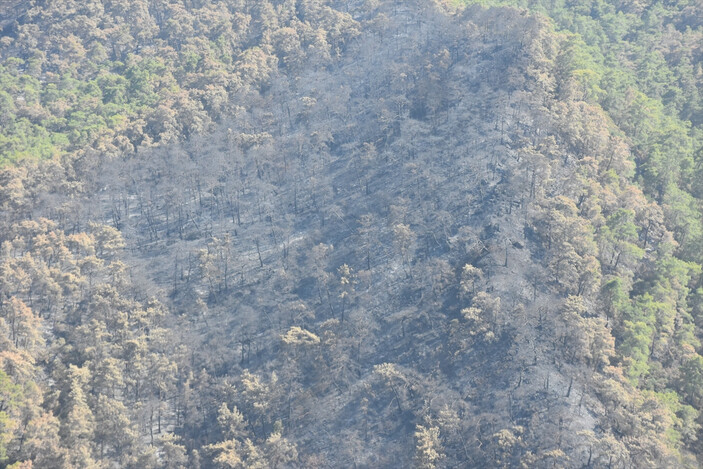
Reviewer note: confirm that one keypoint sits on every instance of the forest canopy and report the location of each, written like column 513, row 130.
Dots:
column 373, row 233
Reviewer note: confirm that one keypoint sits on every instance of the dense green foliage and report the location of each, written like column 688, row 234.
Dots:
column 113, row 76
column 643, row 64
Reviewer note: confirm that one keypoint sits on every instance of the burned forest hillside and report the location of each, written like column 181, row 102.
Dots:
column 340, row 234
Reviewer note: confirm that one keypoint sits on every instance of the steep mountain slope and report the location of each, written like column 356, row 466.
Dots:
column 420, row 252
